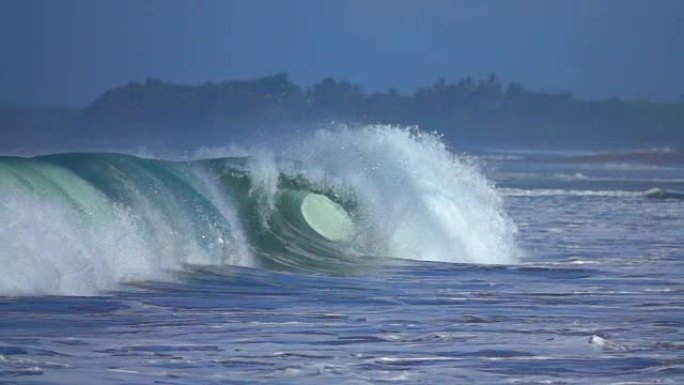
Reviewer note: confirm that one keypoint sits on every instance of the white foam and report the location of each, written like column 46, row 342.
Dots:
column 416, row 200
column 68, row 238
column 516, row 192
column 48, row 249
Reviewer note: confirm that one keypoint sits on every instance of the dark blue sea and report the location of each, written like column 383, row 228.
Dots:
column 355, row 256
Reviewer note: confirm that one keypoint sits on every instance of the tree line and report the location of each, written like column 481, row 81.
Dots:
column 469, row 112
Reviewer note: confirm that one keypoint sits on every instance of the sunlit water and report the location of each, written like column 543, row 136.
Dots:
column 597, row 299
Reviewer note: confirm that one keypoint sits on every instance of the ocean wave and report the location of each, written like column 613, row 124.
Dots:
column 654, row 193
column 581, row 177
column 83, row 223
column 657, row 157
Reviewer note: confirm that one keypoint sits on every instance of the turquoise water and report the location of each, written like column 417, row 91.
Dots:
column 497, row 268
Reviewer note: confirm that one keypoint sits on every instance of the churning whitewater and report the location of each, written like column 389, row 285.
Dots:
column 80, row 223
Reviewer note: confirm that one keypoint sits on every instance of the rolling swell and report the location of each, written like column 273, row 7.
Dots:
column 80, row 223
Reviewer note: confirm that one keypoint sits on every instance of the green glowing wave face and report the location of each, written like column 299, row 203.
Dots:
column 187, row 212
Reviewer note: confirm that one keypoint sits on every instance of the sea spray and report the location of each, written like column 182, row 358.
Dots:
column 415, row 198
column 81, row 223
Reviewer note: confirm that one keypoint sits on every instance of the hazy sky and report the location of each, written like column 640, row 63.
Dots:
column 69, row 52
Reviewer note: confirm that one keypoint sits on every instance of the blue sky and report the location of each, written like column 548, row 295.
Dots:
column 69, row 52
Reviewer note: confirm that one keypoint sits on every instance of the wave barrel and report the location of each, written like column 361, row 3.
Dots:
column 315, row 214
column 326, row 217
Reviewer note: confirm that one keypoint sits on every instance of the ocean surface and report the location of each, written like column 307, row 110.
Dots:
column 354, row 256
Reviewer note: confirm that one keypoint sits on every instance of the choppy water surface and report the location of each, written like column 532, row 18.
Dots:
column 598, row 298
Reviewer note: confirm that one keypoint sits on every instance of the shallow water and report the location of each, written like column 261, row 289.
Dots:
column 597, row 299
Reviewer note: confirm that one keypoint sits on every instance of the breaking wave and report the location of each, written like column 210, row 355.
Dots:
column 81, row 223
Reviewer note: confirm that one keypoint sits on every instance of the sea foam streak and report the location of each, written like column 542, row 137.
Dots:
column 82, row 223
